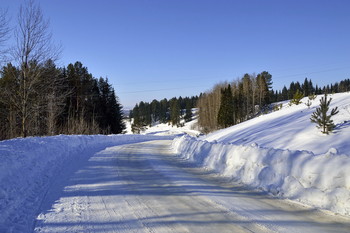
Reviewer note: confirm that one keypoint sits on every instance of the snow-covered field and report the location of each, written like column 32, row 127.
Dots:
column 28, row 167
column 189, row 128
column 283, row 153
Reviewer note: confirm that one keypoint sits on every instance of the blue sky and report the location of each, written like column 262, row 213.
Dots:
column 161, row 49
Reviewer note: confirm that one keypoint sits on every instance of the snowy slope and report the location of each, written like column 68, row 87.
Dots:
column 291, row 128
column 166, row 129
column 283, row 153
column 161, row 129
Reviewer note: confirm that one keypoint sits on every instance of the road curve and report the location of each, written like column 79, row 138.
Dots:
column 143, row 187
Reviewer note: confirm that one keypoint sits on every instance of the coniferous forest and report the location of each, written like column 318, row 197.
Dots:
column 163, row 111
column 37, row 97
column 66, row 100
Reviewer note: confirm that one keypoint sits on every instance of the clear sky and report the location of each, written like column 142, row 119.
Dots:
column 158, row 49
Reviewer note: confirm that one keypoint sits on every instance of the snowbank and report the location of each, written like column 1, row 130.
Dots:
column 27, row 167
column 322, row 181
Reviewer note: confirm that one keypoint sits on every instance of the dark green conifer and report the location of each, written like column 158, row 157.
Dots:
column 175, row 112
column 320, row 117
column 298, row 95
column 188, row 115
column 226, row 112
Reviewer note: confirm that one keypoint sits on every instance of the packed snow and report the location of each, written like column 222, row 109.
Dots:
column 28, row 167
column 283, row 153
column 143, row 187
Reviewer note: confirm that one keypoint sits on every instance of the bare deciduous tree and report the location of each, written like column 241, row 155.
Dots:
column 33, row 47
column 4, row 33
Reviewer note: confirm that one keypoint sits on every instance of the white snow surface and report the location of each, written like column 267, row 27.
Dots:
column 28, row 167
column 162, row 129
column 167, row 129
column 283, row 153
column 291, row 128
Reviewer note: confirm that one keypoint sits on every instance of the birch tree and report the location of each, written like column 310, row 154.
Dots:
column 4, row 33
column 33, row 47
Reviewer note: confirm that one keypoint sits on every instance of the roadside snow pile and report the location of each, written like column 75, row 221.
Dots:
column 322, row 181
column 27, row 167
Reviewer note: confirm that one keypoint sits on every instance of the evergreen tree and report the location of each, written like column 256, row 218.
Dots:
column 306, row 88
column 284, row 93
column 226, row 110
column 321, row 118
column 155, row 110
column 131, row 115
column 268, row 80
column 298, row 95
column 175, row 112
column 163, row 116
column 108, row 111
column 188, row 115
column 311, row 87
column 136, row 126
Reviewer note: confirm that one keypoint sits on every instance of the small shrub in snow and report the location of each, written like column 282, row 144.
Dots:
column 312, row 97
column 296, row 98
column 308, row 103
column 321, row 118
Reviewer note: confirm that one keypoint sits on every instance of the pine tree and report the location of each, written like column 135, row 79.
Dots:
column 226, row 110
column 136, row 126
column 188, row 115
column 163, row 115
column 155, row 110
column 321, row 118
column 175, row 112
column 306, row 88
column 298, row 95
column 109, row 110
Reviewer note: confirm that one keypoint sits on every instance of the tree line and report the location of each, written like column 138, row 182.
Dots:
column 227, row 104
column 66, row 100
column 37, row 97
column 239, row 101
column 164, row 111
column 307, row 88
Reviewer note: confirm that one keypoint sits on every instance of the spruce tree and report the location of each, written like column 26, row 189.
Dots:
column 163, row 115
column 226, row 110
column 175, row 112
column 188, row 115
column 108, row 110
column 136, row 126
column 320, row 117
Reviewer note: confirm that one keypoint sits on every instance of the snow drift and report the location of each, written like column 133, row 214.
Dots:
column 28, row 167
column 321, row 181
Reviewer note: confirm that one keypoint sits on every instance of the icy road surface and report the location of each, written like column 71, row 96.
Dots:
column 143, row 187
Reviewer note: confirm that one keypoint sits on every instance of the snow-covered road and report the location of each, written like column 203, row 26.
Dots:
column 143, row 187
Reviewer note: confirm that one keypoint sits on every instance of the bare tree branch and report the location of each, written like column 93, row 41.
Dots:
column 33, row 38
column 33, row 48
column 4, row 33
